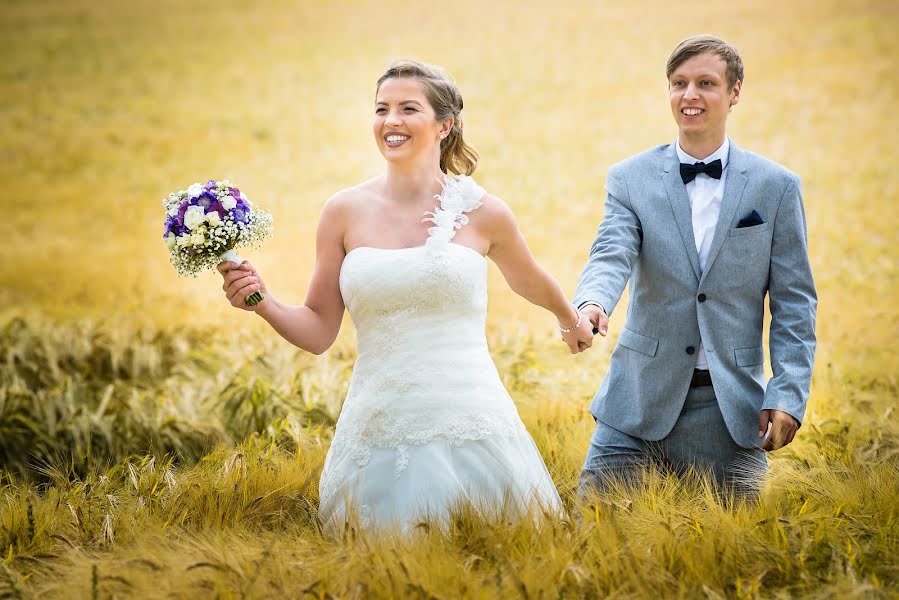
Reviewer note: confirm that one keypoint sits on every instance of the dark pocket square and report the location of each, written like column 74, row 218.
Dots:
column 750, row 220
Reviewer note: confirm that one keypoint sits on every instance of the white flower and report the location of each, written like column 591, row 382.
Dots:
column 461, row 194
column 197, row 239
column 214, row 219
column 443, row 219
column 229, row 202
column 172, row 211
column 195, row 190
column 438, row 235
column 170, row 241
column 183, row 240
column 194, row 216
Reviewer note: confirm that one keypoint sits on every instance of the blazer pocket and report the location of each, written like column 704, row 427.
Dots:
column 747, row 357
column 637, row 342
column 750, row 230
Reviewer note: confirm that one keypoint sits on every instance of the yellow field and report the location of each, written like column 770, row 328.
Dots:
column 109, row 106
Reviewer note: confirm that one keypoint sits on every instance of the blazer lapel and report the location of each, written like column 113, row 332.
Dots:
column 733, row 191
column 680, row 206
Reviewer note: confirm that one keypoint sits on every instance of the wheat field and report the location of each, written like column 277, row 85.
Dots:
column 156, row 443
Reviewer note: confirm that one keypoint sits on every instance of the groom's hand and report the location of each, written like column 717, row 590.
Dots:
column 598, row 318
column 783, row 429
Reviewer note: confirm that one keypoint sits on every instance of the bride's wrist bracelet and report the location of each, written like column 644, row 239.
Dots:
column 573, row 327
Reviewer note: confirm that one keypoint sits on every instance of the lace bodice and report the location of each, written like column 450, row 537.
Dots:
column 398, row 298
column 423, row 369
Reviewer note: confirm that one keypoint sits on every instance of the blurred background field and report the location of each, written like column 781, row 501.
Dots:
column 131, row 401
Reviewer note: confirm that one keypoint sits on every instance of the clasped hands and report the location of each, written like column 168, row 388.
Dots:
column 580, row 338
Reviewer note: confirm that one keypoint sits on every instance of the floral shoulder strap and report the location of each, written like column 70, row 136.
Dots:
column 460, row 195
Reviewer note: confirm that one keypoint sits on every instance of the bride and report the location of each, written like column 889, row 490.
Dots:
column 427, row 424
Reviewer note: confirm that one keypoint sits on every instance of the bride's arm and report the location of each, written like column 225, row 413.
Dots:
column 524, row 275
column 312, row 326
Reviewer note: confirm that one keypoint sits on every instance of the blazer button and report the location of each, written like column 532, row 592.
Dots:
column 690, row 349
column 701, row 298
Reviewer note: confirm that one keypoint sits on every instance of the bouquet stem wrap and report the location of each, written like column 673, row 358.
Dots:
column 232, row 256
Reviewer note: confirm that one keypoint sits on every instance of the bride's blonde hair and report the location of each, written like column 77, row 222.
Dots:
column 456, row 156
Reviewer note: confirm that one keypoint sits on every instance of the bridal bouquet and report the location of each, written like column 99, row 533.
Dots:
column 206, row 223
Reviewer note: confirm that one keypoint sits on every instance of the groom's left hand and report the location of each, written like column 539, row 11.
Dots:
column 783, row 429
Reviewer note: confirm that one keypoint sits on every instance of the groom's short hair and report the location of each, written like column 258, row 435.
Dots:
column 701, row 44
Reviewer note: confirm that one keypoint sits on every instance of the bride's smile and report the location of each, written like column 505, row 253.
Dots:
column 394, row 140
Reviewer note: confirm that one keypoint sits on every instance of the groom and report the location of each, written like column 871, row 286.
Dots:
column 704, row 230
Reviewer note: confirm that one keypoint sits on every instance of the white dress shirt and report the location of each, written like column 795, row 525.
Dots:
column 705, row 195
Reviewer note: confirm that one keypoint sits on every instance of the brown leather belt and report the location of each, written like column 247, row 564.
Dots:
column 701, row 378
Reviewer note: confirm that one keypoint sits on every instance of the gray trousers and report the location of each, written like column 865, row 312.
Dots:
column 699, row 439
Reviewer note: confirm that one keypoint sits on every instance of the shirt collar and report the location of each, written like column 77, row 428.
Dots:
column 722, row 152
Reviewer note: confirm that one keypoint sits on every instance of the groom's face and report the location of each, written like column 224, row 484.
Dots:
column 701, row 97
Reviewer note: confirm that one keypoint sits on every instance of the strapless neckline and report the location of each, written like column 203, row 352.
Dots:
column 419, row 247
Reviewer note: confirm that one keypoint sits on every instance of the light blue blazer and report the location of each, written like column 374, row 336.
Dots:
column 647, row 237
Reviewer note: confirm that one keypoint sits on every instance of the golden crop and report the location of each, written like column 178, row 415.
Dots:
column 155, row 442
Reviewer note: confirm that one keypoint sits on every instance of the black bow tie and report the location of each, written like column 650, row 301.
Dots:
column 689, row 172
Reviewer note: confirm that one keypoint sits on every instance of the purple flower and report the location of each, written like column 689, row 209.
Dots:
column 181, row 211
column 234, row 192
column 210, row 184
column 205, row 200
column 240, row 213
column 217, row 207
column 169, row 225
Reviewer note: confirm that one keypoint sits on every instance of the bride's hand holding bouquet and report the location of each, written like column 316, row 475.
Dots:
column 242, row 283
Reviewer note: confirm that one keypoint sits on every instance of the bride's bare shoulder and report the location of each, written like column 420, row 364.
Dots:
column 350, row 201
column 492, row 213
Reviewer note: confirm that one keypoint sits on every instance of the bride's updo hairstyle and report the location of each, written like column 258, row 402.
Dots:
column 456, row 156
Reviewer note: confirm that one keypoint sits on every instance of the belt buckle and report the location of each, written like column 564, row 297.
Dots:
column 700, row 378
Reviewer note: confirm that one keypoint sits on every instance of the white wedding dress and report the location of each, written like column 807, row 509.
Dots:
column 427, row 424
